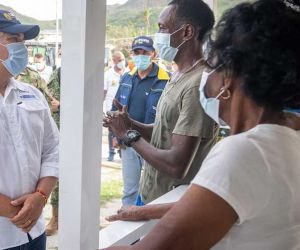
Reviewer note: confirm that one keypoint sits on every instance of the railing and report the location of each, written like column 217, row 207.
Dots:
column 127, row 232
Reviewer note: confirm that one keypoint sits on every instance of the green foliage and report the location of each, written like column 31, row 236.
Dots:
column 135, row 17
column 111, row 190
column 139, row 17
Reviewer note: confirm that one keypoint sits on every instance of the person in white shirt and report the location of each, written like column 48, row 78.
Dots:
column 28, row 144
column 246, row 193
column 40, row 66
column 111, row 85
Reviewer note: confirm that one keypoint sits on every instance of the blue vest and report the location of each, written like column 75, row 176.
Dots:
column 125, row 89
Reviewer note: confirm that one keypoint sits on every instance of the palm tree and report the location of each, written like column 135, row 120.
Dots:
column 146, row 15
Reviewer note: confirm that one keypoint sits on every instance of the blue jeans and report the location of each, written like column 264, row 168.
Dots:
column 38, row 243
column 111, row 147
column 132, row 164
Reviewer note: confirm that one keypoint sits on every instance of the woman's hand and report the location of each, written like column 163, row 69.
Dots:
column 130, row 213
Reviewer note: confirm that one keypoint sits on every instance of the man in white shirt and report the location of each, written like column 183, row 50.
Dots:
column 28, row 144
column 41, row 67
column 111, row 85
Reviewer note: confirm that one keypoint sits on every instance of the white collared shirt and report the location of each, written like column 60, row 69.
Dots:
column 29, row 151
column 111, row 85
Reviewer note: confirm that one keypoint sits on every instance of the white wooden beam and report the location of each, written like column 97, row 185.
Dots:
column 83, row 35
column 128, row 232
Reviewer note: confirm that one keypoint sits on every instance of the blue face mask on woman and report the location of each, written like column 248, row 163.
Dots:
column 17, row 58
column 142, row 62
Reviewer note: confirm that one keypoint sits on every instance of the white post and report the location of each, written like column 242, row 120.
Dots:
column 83, row 30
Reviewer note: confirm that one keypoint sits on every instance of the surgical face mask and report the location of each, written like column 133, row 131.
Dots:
column 162, row 43
column 142, row 62
column 40, row 66
column 211, row 106
column 121, row 65
column 17, row 58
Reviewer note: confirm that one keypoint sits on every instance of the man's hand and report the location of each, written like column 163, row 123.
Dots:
column 32, row 207
column 54, row 105
column 118, row 105
column 118, row 121
column 130, row 213
column 6, row 209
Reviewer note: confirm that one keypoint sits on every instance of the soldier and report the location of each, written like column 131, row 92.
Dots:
column 54, row 89
column 32, row 77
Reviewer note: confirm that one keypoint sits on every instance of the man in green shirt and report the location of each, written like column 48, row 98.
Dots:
column 182, row 133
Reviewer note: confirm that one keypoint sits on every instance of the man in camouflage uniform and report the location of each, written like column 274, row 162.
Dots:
column 54, row 90
column 32, row 77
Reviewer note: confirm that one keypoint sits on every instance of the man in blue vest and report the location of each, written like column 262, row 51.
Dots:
column 139, row 91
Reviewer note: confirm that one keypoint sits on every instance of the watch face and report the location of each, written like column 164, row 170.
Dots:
column 131, row 134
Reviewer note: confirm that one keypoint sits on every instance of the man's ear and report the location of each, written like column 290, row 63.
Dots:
column 189, row 32
column 154, row 54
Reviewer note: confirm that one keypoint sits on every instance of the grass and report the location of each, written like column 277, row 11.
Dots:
column 111, row 190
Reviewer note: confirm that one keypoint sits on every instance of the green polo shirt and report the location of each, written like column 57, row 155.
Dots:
column 178, row 112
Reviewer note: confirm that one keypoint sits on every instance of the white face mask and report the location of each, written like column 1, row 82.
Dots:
column 162, row 43
column 211, row 106
column 121, row 65
column 40, row 66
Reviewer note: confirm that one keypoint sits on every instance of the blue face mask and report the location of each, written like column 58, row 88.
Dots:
column 142, row 62
column 17, row 58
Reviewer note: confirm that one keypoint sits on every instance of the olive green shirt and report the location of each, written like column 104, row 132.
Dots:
column 178, row 112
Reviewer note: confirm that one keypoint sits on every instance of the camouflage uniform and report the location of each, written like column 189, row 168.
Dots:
column 54, row 88
column 32, row 77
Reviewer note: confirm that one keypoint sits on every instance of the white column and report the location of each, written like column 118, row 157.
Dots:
column 83, row 30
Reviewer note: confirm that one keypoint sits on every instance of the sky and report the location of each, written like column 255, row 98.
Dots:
column 41, row 9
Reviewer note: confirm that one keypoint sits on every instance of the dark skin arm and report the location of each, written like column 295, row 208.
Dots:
column 144, row 129
column 147, row 212
column 172, row 161
column 197, row 222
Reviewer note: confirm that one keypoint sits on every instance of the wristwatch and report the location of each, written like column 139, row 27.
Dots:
column 131, row 136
